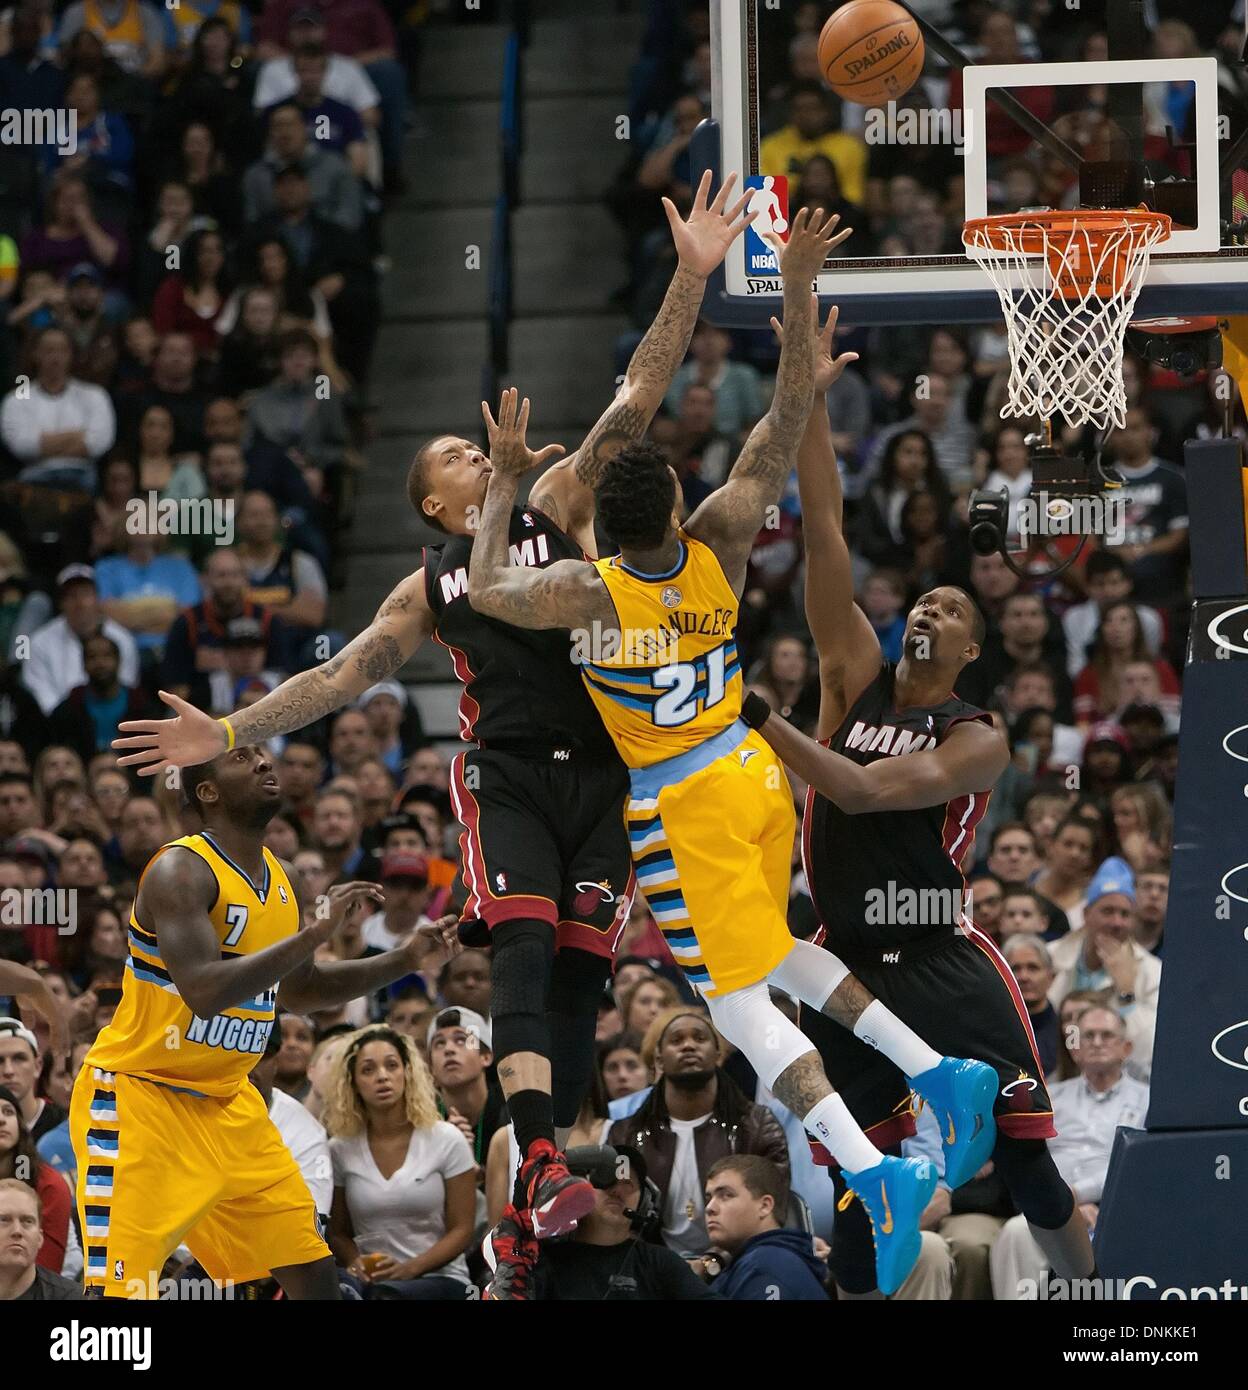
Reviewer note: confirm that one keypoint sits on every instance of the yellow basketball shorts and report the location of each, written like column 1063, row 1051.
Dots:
column 711, row 833
column 158, row 1167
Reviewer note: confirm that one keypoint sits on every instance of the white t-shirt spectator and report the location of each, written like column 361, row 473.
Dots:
column 684, row 1223
column 55, row 665
column 345, row 81
column 405, row 1214
column 377, row 934
column 80, row 406
column 305, row 1137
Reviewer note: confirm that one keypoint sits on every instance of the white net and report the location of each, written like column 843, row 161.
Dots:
column 1067, row 289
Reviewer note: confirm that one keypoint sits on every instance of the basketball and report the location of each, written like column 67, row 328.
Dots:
column 871, row 52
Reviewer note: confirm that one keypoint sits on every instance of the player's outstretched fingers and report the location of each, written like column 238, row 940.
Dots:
column 704, row 188
column 724, row 189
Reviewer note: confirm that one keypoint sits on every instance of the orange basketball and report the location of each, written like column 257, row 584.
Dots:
column 871, row 52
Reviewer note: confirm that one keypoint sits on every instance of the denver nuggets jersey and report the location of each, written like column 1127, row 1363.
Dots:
column 673, row 680
column 153, row 1034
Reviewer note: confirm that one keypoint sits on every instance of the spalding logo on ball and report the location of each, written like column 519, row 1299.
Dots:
column 871, row 52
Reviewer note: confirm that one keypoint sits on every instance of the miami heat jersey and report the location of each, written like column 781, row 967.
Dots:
column 673, row 680
column 522, row 692
column 852, row 860
column 154, row 1035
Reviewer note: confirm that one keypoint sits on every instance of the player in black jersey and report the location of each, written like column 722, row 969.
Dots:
column 897, row 788
column 546, row 858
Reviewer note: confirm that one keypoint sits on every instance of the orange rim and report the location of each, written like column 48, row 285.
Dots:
column 1050, row 234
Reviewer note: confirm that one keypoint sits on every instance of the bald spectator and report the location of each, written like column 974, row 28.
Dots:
column 56, row 665
column 57, row 427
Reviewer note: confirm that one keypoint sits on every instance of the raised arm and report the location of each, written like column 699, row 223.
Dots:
column 565, row 491
column 730, row 518
column 849, row 651
column 312, row 985
column 565, row 594
column 25, row 983
column 402, row 623
column 970, row 760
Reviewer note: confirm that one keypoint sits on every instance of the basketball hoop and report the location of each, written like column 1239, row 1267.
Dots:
column 1067, row 282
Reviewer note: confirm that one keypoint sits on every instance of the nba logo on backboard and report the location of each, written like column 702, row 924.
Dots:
column 769, row 198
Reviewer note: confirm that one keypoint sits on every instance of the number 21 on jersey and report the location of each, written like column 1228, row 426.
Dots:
column 680, row 682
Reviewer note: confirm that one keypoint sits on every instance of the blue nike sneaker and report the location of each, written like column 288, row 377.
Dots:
column 894, row 1194
column 961, row 1094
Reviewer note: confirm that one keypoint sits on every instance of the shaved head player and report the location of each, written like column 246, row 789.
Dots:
column 894, row 800
column 541, row 793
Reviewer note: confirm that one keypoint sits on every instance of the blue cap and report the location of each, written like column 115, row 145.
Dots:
column 1114, row 876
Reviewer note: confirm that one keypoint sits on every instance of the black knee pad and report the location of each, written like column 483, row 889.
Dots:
column 852, row 1260
column 1031, row 1177
column 520, row 966
column 576, row 985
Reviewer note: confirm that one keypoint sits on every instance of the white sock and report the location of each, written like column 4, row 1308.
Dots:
column 836, row 1129
column 881, row 1029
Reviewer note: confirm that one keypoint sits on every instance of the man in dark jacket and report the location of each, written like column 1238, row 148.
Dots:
column 695, row 1115
column 745, row 1199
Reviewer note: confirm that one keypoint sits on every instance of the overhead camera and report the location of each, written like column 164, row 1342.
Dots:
column 1058, row 486
column 1185, row 354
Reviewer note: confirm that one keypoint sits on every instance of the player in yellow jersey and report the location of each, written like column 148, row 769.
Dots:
column 173, row 1142
column 710, row 815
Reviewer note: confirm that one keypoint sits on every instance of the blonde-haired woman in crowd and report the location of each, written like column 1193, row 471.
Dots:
column 404, row 1179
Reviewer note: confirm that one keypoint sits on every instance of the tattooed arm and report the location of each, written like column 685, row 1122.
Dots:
column 565, row 594
column 565, row 492
column 730, row 518
column 568, row 593
column 402, row 623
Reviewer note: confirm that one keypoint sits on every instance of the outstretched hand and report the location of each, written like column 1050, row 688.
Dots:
column 812, row 238
column 702, row 240
column 192, row 737
column 510, row 456
column 827, row 366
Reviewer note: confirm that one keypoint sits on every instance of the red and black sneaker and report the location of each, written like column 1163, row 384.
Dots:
column 555, row 1199
column 511, row 1251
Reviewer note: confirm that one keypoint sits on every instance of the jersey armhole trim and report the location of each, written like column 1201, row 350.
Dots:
column 172, row 844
